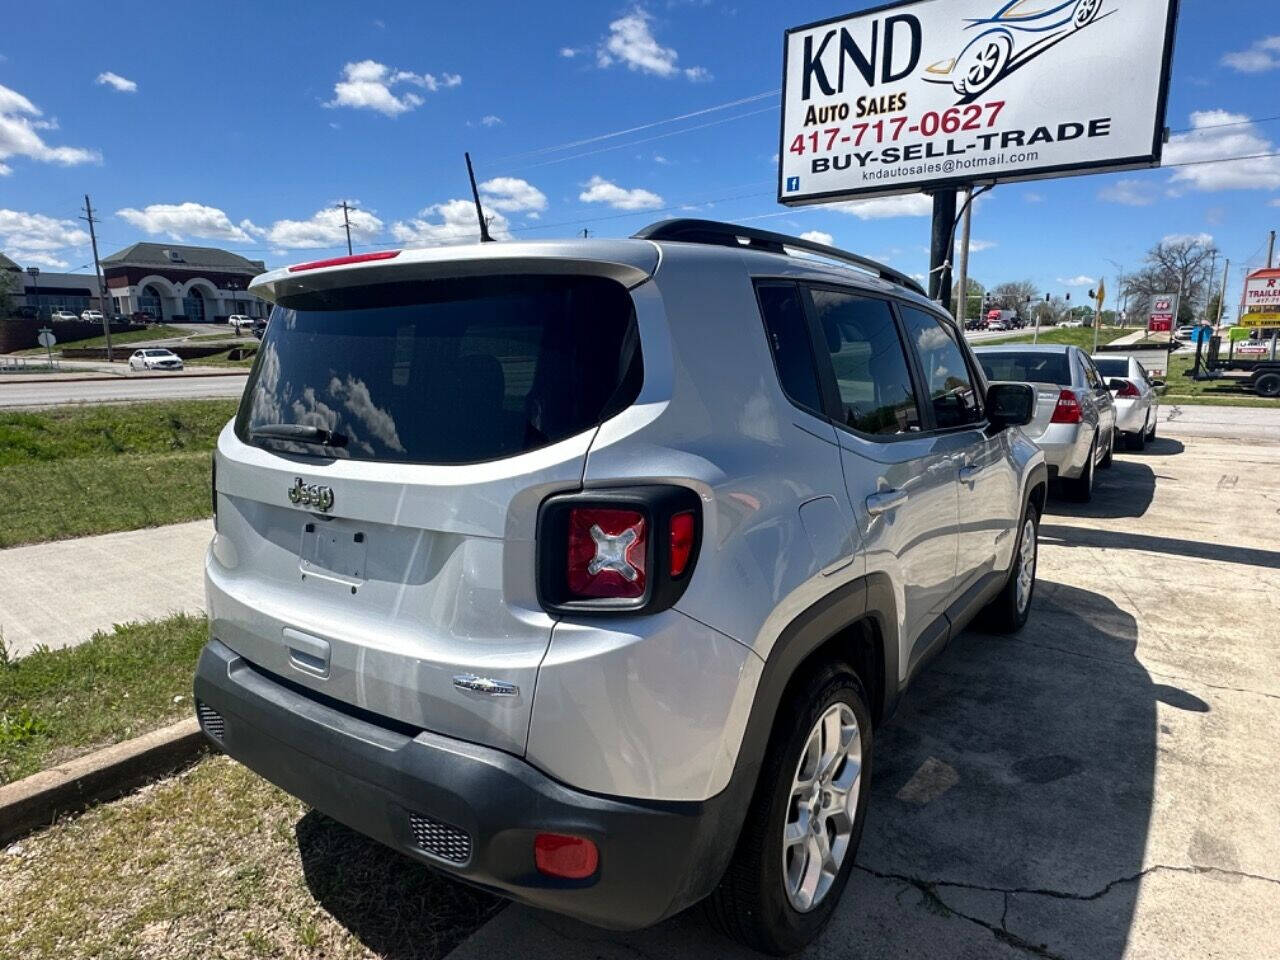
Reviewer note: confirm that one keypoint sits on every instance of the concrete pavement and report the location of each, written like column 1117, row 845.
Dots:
column 60, row 593
column 1195, row 420
column 1110, row 772
column 46, row 393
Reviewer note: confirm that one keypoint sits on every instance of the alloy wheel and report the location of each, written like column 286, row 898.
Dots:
column 821, row 807
column 1026, row 564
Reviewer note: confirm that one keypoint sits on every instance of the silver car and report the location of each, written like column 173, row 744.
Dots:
column 584, row 570
column 1134, row 391
column 1075, row 421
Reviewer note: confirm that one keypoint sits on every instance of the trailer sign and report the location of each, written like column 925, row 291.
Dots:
column 935, row 93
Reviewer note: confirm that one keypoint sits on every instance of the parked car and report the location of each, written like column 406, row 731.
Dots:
column 154, row 358
column 240, row 321
column 92, row 316
column 141, row 316
column 62, row 315
column 1074, row 322
column 1134, row 391
column 260, row 327
column 479, row 590
column 1075, row 420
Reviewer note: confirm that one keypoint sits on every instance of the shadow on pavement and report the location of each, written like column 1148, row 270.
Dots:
column 1071, row 536
column 1011, row 800
column 1124, row 490
column 398, row 908
column 1161, row 447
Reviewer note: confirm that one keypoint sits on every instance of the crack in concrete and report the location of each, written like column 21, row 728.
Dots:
column 929, row 890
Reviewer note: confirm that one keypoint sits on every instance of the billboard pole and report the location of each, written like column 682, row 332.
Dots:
column 964, row 258
column 944, row 222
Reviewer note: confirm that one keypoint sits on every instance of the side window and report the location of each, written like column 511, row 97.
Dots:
column 947, row 378
column 788, row 332
column 870, row 365
column 1091, row 372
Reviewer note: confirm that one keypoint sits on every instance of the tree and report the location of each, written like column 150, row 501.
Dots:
column 973, row 307
column 8, row 282
column 1213, row 308
column 1013, row 294
column 1173, row 264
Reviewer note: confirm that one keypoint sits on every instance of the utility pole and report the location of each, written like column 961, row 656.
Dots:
column 963, row 256
column 944, row 224
column 1222, row 296
column 1213, row 268
column 475, row 195
column 346, row 222
column 1271, row 247
column 97, row 271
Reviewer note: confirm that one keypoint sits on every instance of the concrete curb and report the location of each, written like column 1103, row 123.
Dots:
column 244, row 372
column 41, row 798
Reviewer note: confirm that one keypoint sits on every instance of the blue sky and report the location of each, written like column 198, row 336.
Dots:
column 241, row 124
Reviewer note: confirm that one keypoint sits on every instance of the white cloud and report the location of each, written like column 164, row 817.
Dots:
column 1204, row 239
column 178, row 221
column 35, row 239
column 1131, row 193
column 323, row 229
column 490, row 120
column 659, row 158
column 1262, row 56
column 366, row 85
column 120, row 84
column 977, row 246
column 19, row 136
column 600, row 190
column 569, row 53
column 631, row 42
column 1033, row 197
column 1215, row 135
column 817, row 236
column 1080, row 280
column 1274, row 203
column 908, row 205
column 512, row 195
column 453, row 221
column 698, row 74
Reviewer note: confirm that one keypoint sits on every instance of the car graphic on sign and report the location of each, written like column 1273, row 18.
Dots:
column 1017, row 33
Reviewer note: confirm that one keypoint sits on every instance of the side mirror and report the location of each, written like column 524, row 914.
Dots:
column 1115, row 384
column 1010, row 404
column 1156, row 383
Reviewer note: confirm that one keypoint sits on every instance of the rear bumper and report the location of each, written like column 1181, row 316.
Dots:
column 1066, row 448
column 1131, row 416
column 479, row 807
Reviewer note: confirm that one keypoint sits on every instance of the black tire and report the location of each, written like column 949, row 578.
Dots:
column 1109, row 456
column 1151, row 434
column 1081, row 488
column 1267, row 385
column 1004, row 614
column 751, row 905
column 1138, row 441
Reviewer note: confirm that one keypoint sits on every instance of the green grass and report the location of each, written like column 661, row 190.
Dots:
column 77, row 471
column 1075, row 336
column 223, row 360
column 1182, row 389
column 159, row 332
column 57, row 704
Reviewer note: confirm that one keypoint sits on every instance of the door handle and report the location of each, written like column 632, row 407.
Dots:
column 879, row 503
column 969, row 474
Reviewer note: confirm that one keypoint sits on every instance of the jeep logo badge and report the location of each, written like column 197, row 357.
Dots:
column 311, row 495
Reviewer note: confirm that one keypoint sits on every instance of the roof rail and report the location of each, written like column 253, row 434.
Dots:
column 732, row 235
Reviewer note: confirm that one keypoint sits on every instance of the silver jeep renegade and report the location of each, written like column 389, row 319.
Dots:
column 586, row 571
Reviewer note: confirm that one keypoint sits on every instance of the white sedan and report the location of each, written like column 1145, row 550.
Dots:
column 91, row 316
column 1137, row 403
column 154, row 358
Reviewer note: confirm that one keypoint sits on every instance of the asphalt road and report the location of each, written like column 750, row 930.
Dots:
column 16, row 393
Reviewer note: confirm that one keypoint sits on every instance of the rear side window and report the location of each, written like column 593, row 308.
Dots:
column 876, row 395
column 788, row 330
column 1112, row 366
column 443, row 371
column 947, row 377
column 1033, row 367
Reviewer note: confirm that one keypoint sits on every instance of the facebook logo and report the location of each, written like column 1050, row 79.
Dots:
column 793, row 183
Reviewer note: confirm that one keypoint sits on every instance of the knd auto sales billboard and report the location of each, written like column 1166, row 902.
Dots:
column 920, row 95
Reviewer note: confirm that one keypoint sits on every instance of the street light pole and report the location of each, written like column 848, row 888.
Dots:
column 35, row 281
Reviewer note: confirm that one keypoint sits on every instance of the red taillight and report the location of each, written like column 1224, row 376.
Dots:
column 1067, row 409
column 606, row 553
column 560, row 855
column 1126, row 389
column 342, row 261
column 681, row 542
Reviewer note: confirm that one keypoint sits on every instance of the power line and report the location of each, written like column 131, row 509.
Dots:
column 569, row 145
column 1230, row 123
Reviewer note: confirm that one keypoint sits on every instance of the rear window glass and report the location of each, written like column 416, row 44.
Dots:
column 1112, row 366
column 442, row 371
column 1030, row 366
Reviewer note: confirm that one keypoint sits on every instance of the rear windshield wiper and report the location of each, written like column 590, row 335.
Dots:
column 299, row 433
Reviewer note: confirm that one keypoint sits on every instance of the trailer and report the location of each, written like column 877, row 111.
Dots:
column 1252, row 363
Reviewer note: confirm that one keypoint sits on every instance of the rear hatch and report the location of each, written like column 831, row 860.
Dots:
column 1048, row 371
column 379, row 488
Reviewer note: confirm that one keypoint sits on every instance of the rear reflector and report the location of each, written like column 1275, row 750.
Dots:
column 343, row 261
column 606, row 555
column 1067, row 409
column 559, row 855
column 681, row 542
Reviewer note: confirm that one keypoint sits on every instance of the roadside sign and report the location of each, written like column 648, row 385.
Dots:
column 46, row 338
column 932, row 93
column 1268, row 319
column 1262, row 289
column 1164, row 311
